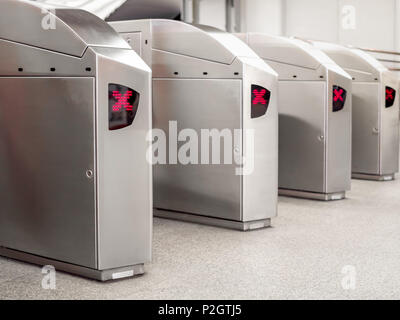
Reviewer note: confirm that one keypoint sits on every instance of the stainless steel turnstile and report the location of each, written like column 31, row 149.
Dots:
column 314, row 118
column 75, row 187
column 205, row 79
column 375, row 112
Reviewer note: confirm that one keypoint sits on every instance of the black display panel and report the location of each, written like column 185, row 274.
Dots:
column 123, row 103
column 259, row 100
column 390, row 96
column 339, row 98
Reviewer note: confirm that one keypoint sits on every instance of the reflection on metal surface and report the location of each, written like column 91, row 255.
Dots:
column 375, row 110
column 314, row 117
column 148, row 9
column 101, row 8
column 202, row 79
column 74, row 194
column 114, row 10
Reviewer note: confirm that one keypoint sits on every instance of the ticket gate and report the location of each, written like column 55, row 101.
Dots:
column 75, row 108
column 375, row 113
column 314, row 118
column 211, row 85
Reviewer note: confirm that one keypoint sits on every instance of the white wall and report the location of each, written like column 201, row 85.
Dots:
column 312, row 19
column 212, row 13
column 363, row 23
column 376, row 23
column 262, row 16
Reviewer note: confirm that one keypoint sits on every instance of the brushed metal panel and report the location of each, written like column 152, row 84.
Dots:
column 73, row 30
column 262, row 182
column 284, row 50
column 134, row 39
column 46, row 146
column 174, row 36
column 209, row 190
column 144, row 9
column 30, row 31
column 90, row 28
column 124, row 174
column 338, row 137
column 142, row 27
column 389, row 129
column 229, row 224
column 38, row 62
column 375, row 128
column 359, row 64
column 101, row 275
column 302, row 107
column 365, row 150
column 169, row 65
column 199, row 102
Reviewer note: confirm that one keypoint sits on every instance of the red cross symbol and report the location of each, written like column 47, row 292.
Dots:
column 389, row 94
column 259, row 96
column 338, row 95
column 122, row 101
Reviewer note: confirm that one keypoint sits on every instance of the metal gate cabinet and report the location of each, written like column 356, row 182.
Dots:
column 314, row 118
column 375, row 113
column 75, row 187
column 204, row 78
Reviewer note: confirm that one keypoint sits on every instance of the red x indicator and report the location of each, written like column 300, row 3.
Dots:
column 122, row 100
column 339, row 98
column 390, row 96
column 259, row 100
column 259, row 96
column 338, row 95
column 122, row 106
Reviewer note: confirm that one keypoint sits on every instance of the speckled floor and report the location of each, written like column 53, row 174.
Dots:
column 301, row 257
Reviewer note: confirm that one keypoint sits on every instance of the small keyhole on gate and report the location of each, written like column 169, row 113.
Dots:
column 89, row 174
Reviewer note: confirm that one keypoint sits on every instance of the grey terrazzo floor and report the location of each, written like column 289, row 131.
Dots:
column 301, row 257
